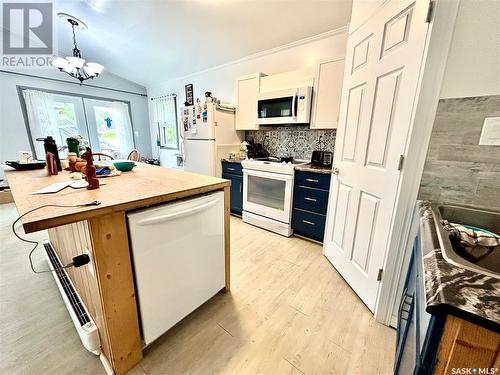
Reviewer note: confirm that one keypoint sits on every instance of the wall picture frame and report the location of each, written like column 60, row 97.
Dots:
column 189, row 94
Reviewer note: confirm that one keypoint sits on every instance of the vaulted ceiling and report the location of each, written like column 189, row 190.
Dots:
column 147, row 41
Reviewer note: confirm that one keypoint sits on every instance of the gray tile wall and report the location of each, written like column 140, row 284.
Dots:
column 297, row 141
column 457, row 170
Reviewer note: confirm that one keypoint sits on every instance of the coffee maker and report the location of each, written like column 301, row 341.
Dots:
column 255, row 150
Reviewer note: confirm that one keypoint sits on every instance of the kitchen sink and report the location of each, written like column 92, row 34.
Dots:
column 489, row 220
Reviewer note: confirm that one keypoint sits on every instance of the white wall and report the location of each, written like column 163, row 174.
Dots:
column 221, row 80
column 473, row 66
column 13, row 134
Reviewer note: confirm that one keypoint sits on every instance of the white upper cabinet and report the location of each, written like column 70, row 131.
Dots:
column 247, row 91
column 329, row 74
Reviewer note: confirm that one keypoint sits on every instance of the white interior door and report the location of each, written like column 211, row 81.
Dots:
column 383, row 61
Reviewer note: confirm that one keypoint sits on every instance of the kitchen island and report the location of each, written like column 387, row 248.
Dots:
column 106, row 286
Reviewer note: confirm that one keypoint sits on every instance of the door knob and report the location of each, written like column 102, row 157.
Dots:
column 335, row 170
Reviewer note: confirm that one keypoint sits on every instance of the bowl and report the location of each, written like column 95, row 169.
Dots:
column 124, row 166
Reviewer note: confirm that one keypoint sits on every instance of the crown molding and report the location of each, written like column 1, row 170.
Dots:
column 314, row 38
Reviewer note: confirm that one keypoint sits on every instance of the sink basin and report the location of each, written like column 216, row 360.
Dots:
column 489, row 220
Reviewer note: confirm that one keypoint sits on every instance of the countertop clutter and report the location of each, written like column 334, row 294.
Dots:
column 453, row 289
column 145, row 185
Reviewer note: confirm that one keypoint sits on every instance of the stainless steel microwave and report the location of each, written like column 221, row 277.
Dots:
column 290, row 106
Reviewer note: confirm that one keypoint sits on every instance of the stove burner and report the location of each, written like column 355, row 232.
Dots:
column 274, row 159
column 272, row 164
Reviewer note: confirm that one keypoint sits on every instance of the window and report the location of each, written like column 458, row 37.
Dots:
column 165, row 116
column 110, row 127
column 104, row 125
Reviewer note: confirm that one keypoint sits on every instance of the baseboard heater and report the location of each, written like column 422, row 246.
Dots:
column 85, row 326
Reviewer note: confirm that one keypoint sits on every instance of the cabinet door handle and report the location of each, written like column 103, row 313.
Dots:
column 405, row 305
column 398, row 328
column 401, row 303
column 308, row 222
column 240, row 187
column 310, row 199
column 230, row 169
column 311, row 180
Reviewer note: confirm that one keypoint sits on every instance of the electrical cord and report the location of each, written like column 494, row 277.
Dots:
column 76, row 261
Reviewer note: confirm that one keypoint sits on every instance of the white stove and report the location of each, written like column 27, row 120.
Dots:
column 272, row 164
column 267, row 193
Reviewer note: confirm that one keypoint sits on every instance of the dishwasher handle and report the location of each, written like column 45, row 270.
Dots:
column 175, row 215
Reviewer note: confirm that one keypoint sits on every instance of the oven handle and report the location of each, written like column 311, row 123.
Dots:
column 270, row 175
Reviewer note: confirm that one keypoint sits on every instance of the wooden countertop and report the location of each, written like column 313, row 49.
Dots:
column 145, row 185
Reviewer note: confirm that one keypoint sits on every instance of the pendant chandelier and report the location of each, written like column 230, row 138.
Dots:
column 75, row 65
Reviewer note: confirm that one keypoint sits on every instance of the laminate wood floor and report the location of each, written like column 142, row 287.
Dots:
column 289, row 312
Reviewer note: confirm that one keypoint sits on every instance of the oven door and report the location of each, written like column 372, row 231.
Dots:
column 268, row 194
column 277, row 107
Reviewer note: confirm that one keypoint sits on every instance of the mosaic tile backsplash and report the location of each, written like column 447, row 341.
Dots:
column 296, row 141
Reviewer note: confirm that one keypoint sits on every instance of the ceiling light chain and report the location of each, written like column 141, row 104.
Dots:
column 75, row 49
column 75, row 65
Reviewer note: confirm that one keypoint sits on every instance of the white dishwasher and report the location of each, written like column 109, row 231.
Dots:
column 178, row 256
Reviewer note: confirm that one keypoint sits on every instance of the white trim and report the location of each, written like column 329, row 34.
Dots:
column 106, row 365
column 436, row 54
column 326, row 34
column 393, row 323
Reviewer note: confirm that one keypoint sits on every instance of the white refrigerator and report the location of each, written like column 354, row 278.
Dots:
column 208, row 135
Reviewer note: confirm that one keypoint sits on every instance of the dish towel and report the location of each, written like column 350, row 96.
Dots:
column 475, row 243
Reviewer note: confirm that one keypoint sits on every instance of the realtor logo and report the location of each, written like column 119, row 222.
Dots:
column 27, row 28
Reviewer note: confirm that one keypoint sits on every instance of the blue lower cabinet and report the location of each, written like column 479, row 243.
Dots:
column 418, row 332
column 236, row 190
column 233, row 172
column 308, row 199
column 310, row 202
column 236, row 194
column 313, row 180
column 406, row 350
column 232, row 168
column 308, row 224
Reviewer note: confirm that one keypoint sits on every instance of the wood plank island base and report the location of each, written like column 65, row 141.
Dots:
column 107, row 284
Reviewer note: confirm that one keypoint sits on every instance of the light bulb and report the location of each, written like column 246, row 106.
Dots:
column 59, row 62
column 94, row 67
column 76, row 62
column 89, row 71
column 68, row 68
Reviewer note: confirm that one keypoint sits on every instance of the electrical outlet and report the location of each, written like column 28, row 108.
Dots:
column 490, row 136
column 136, row 133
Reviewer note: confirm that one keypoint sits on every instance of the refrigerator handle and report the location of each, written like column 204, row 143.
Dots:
column 180, row 127
column 175, row 215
